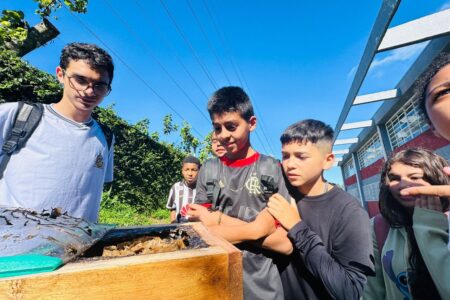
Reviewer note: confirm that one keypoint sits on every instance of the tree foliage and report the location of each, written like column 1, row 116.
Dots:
column 13, row 27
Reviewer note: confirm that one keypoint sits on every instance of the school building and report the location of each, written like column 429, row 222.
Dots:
column 398, row 123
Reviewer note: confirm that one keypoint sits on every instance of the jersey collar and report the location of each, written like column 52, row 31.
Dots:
column 240, row 162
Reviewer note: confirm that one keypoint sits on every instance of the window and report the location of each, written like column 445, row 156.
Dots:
column 370, row 152
column 406, row 124
column 349, row 168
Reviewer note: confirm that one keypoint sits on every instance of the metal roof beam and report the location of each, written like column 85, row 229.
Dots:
column 356, row 125
column 416, row 31
column 346, row 141
column 375, row 97
column 343, row 151
column 385, row 15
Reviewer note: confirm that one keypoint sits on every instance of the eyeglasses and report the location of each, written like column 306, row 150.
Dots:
column 81, row 84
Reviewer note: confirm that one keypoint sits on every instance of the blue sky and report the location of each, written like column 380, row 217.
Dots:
column 295, row 58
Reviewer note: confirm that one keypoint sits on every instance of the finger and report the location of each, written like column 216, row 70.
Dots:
column 430, row 190
column 447, row 170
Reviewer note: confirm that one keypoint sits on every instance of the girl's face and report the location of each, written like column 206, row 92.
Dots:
column 402, row 176
column 437, row 102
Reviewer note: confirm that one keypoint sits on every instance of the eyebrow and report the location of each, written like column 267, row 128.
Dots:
column 90, row 79
column 447, row 83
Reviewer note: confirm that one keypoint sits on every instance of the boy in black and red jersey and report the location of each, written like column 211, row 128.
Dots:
column 236, row 187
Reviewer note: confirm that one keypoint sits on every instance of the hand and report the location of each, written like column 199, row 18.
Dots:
column 200, row 213
column 429, row 202
column 286, row 213
column 429, row 190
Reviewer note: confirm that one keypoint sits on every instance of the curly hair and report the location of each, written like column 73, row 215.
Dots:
column 422, row 83
column 94, row 56
column 420, row 281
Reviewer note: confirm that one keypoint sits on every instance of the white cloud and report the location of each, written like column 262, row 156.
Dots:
column 401, row 54
column 396, row 55
column 352, row 72
column 444, row 6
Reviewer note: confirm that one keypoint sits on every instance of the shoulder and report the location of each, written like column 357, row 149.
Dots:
column 8, row 108
column 268, row 159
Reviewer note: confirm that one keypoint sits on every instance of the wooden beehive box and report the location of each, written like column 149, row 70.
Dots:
column 212, row 272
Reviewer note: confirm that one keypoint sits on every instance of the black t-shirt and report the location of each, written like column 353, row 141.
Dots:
column 332, row 249
column 241, row 197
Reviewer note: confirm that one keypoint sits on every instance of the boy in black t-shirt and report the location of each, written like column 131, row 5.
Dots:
column 237, row 187
column 329, row 230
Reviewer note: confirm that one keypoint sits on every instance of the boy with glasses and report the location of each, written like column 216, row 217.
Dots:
column 67, row 159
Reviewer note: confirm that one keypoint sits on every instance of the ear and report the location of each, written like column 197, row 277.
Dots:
column 60, row 74
column 252, row 123
column 329, row 161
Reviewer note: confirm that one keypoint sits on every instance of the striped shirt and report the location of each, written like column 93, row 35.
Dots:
column 180, row 195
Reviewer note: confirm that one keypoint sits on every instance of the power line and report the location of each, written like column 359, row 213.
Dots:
column 132, row 70
column 238, row 72
column 153, row 56
column 167, row 44
column 213, row 50
column 186, row 40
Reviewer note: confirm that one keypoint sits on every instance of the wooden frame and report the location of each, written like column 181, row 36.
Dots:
column 214, row 272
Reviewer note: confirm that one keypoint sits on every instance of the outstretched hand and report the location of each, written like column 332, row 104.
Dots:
column 199, row 213
column 284, row 211
column 430, row 190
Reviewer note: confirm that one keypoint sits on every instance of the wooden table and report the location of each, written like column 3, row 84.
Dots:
column 214, row 272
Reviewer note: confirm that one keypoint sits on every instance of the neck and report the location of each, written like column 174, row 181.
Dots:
column 65, row 108
column 314, row 188
column 245, row 152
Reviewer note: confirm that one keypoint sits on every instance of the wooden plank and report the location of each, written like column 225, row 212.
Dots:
column 207, row 273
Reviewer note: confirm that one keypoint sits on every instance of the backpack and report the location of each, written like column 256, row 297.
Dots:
column 26, row 120
column 381, row 228
column 266, row 171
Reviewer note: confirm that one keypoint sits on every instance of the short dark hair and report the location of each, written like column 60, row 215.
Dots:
column 231, row 99
column 191, row 160
column 95, row 57
column 307, row 131
column 422, row 84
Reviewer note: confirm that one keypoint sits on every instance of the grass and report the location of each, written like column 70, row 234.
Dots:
column 125, row 215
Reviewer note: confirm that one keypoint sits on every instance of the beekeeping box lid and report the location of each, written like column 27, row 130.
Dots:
column 210, row 272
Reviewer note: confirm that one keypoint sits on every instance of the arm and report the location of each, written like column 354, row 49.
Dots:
column 342, row 277
column 431, row 231
column 375, row 285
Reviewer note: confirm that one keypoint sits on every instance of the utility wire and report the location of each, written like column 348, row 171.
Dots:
column 167, row 44
column 238, row 72
column 211, row 47
column 153, row 56
column 132, row 70
column 186, row 40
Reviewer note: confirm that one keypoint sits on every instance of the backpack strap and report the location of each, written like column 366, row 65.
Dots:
column 381, row 231
column 213, row 170
column 26, row 120
column 268, row 174
column 108, row 134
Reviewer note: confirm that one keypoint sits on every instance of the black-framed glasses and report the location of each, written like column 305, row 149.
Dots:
column 81, row 84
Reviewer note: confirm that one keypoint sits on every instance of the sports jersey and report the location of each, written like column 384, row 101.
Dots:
column 241, row 197
column 180, row 196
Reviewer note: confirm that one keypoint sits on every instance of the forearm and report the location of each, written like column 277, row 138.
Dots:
column 340, row 281
column 278, row 242
column 431, row 231
column 235, row 234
